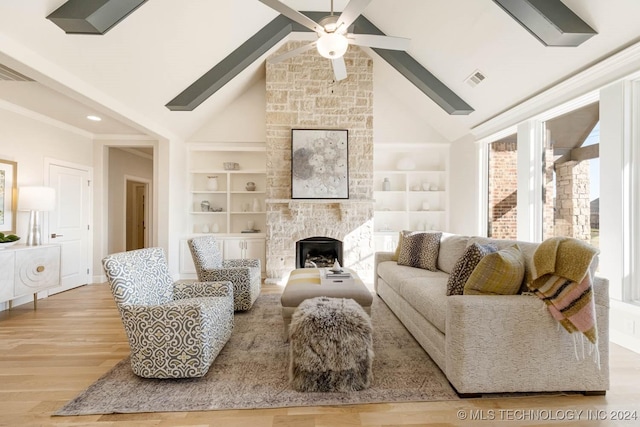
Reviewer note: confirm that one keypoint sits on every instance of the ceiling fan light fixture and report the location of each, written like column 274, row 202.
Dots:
column 332, row 45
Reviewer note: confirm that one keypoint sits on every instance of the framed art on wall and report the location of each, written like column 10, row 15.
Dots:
column 8, row 176
column 319, row 164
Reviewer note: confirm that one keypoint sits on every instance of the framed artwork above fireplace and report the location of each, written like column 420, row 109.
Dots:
column 319, row 164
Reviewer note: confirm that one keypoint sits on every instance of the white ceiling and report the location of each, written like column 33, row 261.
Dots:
column 129, row 74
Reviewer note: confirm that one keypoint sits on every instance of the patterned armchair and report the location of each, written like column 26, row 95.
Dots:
column 243, row 273
column 175, row 330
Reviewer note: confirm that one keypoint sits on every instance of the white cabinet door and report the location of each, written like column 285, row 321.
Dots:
column 256, row 249
column 238, row 248
column 37, row 268
column 234, row 248
column 6, row 274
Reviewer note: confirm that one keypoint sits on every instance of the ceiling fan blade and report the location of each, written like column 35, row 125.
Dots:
column 351, row 12
column 339, row 68
column 381, row 42
column 291, row 53
column 293, row 15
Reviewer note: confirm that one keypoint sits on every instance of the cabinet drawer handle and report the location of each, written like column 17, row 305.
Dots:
column 40, row 268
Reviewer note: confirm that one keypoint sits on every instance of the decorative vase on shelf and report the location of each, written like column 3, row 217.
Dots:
column 205, row 228
column 215, row 228
column 251, row 186
column 205, row 206
column 256, row 205
column 386, row 185
column 212, row 183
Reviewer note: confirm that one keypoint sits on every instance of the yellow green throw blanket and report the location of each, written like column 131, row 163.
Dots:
column 561, row 278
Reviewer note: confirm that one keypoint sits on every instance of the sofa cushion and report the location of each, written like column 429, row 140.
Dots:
column 420, row 249
column 429, row 298
column 465, row 266
column 396, row 275
column 499, row 273
column 452, row 247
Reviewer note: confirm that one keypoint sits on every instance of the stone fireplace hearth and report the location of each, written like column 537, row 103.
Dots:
column 301, row 94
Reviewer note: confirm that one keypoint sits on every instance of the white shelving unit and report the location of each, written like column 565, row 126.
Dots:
column 418, row 197
column 240, row 207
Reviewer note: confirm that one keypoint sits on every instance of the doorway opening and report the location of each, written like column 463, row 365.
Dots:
column 137, row 214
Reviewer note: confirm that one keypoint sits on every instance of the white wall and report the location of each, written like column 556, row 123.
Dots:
column 28, row 142
column 464, row 197
column 244, row 120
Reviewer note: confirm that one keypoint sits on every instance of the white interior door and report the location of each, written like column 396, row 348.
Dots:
column 69, row 224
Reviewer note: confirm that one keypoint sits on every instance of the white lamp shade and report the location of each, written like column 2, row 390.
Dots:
column 36, row 199
column 332, row 45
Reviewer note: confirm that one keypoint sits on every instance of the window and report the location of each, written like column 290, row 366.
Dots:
column 570, row 196
column 502, row 188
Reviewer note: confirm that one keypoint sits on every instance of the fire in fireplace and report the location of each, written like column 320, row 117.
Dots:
column 318, row 252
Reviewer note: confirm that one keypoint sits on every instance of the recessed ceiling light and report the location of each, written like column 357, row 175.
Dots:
column 94, row 118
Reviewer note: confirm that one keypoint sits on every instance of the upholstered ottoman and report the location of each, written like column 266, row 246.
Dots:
column 330, row 346
column 306, row 283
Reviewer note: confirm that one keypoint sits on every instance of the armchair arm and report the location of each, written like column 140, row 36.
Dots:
column 233, row 275
column 190, row 289
column 230, row 263
column 159, row 331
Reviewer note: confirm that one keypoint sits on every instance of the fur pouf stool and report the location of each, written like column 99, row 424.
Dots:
column 331, row 347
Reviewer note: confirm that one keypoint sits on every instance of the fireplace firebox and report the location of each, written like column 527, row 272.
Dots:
column 318, row 252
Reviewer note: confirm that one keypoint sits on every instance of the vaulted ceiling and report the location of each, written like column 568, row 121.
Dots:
column 129, row 74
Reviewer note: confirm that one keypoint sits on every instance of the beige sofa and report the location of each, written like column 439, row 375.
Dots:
column 488, row 343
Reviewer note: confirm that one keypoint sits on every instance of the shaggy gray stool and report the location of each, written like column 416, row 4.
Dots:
column 331, row 347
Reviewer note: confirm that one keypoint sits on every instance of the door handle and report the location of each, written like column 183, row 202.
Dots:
column 54, row 235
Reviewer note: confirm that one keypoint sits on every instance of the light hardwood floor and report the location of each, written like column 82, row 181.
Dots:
column 50, row 355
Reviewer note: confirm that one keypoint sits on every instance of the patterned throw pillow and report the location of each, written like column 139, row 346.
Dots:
column 420, row 249
column 499, row 273
column 465, row 266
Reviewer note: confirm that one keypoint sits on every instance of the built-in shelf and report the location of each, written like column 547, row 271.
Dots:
column 418, row 196
column 240, row 207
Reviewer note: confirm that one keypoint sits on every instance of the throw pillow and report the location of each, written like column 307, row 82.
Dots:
column 420, row 249
column 465, row 265
column 499, row 273
column 397, row 252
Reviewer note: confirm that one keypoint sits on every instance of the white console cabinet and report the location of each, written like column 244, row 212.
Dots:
column 28, row 270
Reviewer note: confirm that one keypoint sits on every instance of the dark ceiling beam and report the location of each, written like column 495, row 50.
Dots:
column 277, row 30
column 550, row 21
column 92, row 16
column 232, row 65
column 416, row 73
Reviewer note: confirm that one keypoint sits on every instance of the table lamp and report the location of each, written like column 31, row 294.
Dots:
column 35, row 199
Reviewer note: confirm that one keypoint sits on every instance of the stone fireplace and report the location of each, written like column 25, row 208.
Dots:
column 301, row 94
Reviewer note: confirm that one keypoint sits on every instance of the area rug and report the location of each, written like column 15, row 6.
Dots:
column 251, row 372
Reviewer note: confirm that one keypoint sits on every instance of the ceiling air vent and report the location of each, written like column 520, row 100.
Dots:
column 7, row 74
column 475, row 79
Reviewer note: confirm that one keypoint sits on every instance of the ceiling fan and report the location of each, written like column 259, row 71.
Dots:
column 333, row 36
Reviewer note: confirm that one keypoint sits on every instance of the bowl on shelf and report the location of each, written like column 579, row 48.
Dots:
column 231, row 166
